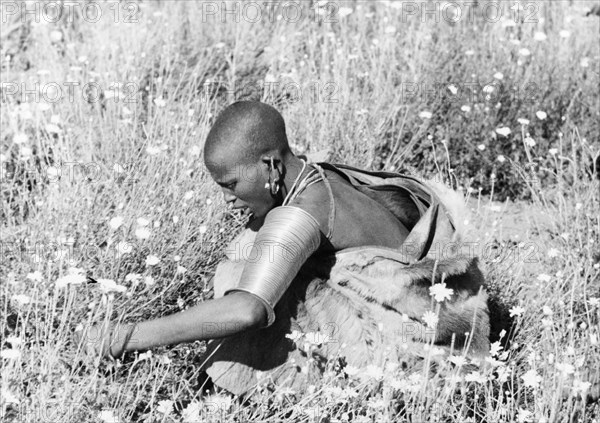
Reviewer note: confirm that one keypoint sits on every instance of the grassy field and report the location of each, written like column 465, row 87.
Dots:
column 104, row 114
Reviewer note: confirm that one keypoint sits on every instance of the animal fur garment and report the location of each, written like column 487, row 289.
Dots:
column 365, row 304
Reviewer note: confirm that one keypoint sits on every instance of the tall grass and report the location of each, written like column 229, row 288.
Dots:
column 143, row 160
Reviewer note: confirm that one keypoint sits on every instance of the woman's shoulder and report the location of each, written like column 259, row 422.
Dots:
column 317, row 198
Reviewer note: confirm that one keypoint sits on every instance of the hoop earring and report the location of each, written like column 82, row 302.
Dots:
column 274, row 178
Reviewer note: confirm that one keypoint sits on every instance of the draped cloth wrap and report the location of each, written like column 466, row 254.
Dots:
column 367, row 302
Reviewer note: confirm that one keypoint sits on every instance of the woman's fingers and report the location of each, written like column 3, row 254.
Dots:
column 95, row 340
column 106, row 340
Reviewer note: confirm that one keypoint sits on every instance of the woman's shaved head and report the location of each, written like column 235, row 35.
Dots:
column 244, row 132
column 246, row 139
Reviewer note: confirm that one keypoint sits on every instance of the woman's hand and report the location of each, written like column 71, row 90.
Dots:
column 106, row 340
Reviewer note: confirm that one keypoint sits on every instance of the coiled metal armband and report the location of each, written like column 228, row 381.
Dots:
column 288, row 237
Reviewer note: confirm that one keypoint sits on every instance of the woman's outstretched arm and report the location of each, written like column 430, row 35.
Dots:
column 283, row 244
column 218, row 318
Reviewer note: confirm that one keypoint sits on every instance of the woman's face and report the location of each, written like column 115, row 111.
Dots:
column 243, row 185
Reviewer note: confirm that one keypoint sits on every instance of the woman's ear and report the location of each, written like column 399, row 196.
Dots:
column 274, row 164
column 272, row 161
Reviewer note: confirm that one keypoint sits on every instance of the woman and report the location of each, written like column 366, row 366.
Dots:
column 328, row 249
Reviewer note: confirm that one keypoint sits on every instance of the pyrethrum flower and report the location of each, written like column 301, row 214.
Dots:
column 9, row 397
column 295, row 336
column 35, row 276
column 122, row 248
column 109, row 416
column 20, row 138
column 503, row 374
column 345, row 11
column 109, row 285
column 142, row 233
column 580, row 387
column 516, row 311
column 372, row 371
column 495, row 348
column 14, row 341
column 531, row 379
column 152, row 150
column 524, row 416
column 74, row 277
column 524, row 52
column 440, row 293
column 191, row 414
column 564, row 33
column 489, row 89
column 430, row 319
column 376, row 404
column 21, row 299
column 351, row 370
column 504, row 131
column 160, row 102
column 10, row 354
column 565, row 368
column 152, row 260
column 53, row 129
column 118, row 168
column 544, row 278
column 142, row 221
column 165, row 407
column 475, row 377
column 457, row 360
column 133, row 277
column 115, row 222
column 25, row 153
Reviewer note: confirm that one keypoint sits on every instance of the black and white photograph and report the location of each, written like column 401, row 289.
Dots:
column 332, row 211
